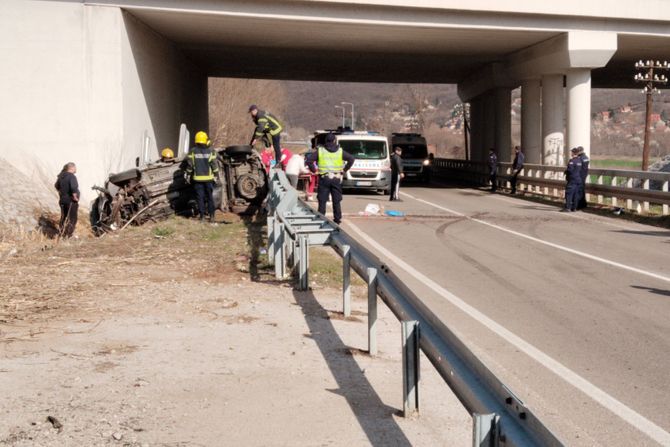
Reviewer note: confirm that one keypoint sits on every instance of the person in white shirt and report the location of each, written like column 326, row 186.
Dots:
column 294, row 167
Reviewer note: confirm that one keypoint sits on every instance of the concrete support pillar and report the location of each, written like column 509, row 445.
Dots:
column 553, row 120
column 578, row 84
column 476, row 127
column 503, row 124
column 489, row 123
column 531, row 126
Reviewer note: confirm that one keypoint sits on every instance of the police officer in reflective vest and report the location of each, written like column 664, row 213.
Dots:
column 332, row 163
column 203, row 170
column 268, row 128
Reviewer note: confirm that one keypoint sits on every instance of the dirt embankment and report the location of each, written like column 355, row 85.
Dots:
column 177, row 334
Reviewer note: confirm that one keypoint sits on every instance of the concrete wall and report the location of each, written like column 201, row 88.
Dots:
column 75, row 87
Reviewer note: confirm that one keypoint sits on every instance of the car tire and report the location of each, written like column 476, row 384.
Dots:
column 240, row 149
column 386, row 191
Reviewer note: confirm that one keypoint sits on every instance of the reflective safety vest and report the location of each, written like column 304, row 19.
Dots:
column 267, row 123
column 330, row 161
column 202, row 164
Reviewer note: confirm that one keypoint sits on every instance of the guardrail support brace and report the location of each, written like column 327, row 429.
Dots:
column 372, row 311
column 410, row 367
column 346, row 280
column 280, row 260
column 271, row 239
column 303, row 263
column 485, row 430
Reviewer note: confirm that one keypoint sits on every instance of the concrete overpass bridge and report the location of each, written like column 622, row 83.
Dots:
column 91, row 81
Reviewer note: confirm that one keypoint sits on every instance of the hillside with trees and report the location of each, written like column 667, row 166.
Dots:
column 434, row 110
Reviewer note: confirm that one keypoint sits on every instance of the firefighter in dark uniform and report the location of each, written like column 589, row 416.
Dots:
column 396, row 173
column 493, row 169
column 203, row 170
column 68, row 199
column 268, row 129
column 573, row 176
column 584, row 175
column 332, row 162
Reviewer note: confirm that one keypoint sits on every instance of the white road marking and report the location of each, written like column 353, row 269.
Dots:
column 591, row 218
column 550, row 244
column 617, row 407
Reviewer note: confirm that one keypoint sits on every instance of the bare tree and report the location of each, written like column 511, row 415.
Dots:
column 229, row 101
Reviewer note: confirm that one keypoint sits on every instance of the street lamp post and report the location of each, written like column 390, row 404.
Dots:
column 353, row 121
column 340, row 107
column 650, row 81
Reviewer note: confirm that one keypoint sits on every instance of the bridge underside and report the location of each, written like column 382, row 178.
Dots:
column 130, row 71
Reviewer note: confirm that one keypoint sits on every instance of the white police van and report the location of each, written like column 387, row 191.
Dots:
column 372, row 168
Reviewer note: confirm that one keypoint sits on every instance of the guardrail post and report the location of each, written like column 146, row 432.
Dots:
column 346, row 280
column 372, row 311
column 280, row 260
column 645, row 186
column 271, row 240
column 631, row 204
column 600, row 182
column 485, row 430
column 303, row 263
column 615, row 200
column 665, row 189
column 410, row 367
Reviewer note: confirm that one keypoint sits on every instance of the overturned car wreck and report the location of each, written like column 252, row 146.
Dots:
column 161, row 189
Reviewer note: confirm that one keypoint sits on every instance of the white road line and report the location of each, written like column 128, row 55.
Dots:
column 550, row 244
column 591, row 218
column 617, row 407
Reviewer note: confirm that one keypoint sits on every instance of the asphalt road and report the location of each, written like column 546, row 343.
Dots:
column 571, row 310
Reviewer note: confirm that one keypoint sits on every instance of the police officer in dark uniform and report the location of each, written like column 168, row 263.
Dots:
column 332, row 162
column 68, row 199
column 573, row 176
column 584, row 175
column 396, row 173
column 493, row 169
column 203, row 171
column 517, row 166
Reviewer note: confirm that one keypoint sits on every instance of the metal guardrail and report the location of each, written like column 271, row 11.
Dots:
column 499, row 417
column 614, row 187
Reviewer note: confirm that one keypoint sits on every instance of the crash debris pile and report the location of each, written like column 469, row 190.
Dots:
column 162, row 188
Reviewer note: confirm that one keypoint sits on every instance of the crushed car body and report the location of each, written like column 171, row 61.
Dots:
column 162, row 188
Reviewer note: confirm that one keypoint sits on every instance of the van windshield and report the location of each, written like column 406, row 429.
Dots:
column 410, row 151
column 365, row 149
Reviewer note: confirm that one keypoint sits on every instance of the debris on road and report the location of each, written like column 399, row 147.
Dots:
column 55, row 423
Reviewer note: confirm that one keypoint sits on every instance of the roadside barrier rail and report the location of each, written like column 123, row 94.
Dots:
column 639, row 191
column 499, row 417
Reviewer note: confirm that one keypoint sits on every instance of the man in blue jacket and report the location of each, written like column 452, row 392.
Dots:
column 493, row 169
column 573, row 176
column 584, row 173
column 517, row 166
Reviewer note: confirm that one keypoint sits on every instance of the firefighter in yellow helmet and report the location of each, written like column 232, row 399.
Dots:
column 203, row 170
column 167, row 155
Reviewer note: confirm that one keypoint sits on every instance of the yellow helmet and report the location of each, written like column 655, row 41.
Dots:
column 202, row 138
column 167, row 154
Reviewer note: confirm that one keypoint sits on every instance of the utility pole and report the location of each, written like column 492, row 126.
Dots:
column 650, row 80
column 340, row 107
column 353, row 122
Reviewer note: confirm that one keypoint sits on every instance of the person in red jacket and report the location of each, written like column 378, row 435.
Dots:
column 268, row 158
